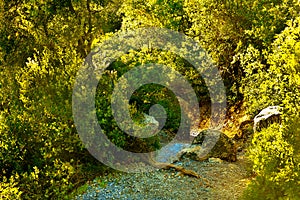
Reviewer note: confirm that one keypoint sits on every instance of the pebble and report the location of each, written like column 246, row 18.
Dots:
column 165, row 184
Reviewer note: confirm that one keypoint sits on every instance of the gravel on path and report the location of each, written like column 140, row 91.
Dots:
column 226, row 181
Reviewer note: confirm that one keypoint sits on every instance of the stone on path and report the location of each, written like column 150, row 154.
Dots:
column 211, row 144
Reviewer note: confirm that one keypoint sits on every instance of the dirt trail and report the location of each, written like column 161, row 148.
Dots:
column 221, row 181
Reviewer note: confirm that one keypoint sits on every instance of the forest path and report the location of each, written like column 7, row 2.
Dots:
column 221, row 180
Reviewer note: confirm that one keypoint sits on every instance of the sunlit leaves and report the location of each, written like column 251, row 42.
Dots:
column 272, row 78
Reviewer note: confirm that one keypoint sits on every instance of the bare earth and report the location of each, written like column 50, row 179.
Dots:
column 220, row 180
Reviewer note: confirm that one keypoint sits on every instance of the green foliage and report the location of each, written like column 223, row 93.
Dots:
column 53, row 180
column 268, row 18
column 255, row 45
column 226, row 28
column 153, row 13
column 9, row 189
column 143, row 98
column 42, row 44
column 276, row 163
column 273, row 76
column 26, row 26
column 37, row 135
column 219, row 27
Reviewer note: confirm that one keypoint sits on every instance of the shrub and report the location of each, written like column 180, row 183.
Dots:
column 276, row 163
column 38, row 138
column 9, row 189
column 274, row 77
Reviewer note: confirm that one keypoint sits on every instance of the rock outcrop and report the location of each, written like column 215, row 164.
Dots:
column 266, row 117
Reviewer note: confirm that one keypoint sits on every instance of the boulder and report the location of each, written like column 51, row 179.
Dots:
column 211, row 144
column 266, row 117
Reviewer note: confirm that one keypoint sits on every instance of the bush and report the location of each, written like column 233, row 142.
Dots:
column 38, row 138
column 274, row 74
column 9, row 189
column 143, row 98
column 276, row 163
column 274, row 77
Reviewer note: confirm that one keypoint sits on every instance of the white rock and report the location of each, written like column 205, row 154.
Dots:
column 265, row 114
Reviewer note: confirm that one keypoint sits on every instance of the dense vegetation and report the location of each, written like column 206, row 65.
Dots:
column 255, row 45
